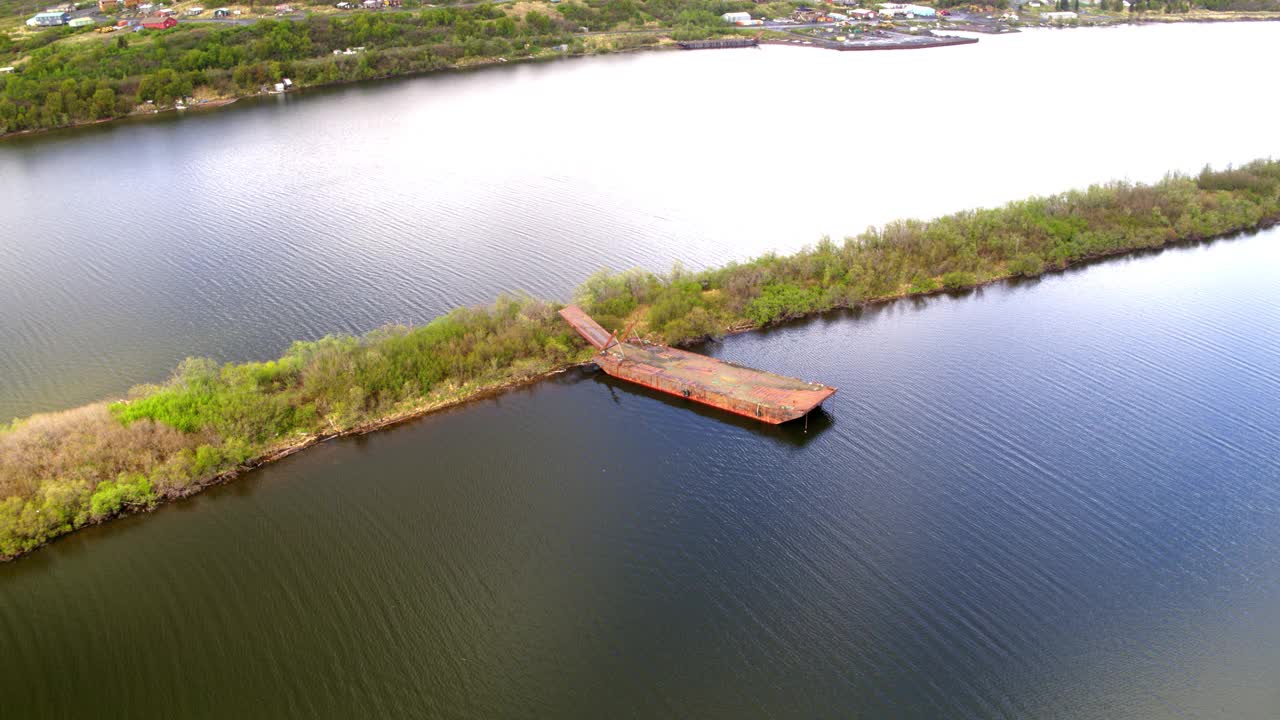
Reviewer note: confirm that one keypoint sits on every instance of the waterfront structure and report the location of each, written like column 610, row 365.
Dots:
column 757, row 394
column 1059, row 16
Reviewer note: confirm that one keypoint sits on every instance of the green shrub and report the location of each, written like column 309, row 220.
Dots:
column 126, row 491
column 699, row 324
column 674, row 302
column 779, row 302
column 1250, row 178
column 605, row 294
column 11, row 538
column 959, row 279
column 923, row 284
column 1026, row 265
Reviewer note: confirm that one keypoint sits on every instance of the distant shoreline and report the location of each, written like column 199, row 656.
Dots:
column 939, row 41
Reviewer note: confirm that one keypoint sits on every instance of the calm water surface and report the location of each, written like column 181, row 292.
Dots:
column 1058, row 499
column 230, row 234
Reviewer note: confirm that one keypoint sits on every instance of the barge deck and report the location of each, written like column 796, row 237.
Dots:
column 757, row 394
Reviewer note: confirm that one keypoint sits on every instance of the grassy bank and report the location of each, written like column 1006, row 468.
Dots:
column 61, row 471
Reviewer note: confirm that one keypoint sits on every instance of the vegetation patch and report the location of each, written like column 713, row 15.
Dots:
column 959, row 279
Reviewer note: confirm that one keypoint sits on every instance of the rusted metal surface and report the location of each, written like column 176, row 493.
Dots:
column 589, row 329
column 754, row 393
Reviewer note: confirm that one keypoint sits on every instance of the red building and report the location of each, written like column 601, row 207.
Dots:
column 158, row 22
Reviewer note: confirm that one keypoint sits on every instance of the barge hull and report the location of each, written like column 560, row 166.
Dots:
column 757, row 394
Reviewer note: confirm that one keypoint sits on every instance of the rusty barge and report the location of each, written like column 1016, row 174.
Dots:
column 755, row 394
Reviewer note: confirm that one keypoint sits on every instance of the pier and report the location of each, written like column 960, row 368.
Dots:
column 718, row 44
column 758, row 394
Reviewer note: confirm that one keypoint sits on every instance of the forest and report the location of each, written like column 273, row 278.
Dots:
column 61, row 471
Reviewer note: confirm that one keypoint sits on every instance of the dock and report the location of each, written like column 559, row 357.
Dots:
column 719, row 44
column 757, row 394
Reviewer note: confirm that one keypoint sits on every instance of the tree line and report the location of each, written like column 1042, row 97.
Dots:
column 64, row 83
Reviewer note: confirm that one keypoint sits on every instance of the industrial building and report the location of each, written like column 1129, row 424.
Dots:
column 49, row 19
column 159, row 22
column 907, row 10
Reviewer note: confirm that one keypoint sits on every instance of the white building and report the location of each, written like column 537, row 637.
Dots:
column 1059, row 16
column 736, row 17
column 49, row 19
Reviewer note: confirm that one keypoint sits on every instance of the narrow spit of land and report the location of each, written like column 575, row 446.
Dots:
column 211, row 422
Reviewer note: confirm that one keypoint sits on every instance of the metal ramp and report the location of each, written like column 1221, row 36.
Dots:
column 589, row 329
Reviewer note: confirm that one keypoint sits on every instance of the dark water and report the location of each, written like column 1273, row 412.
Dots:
column 230, row 234
column 1058, row 499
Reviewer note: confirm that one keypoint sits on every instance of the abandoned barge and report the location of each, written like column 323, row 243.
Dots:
column 753, row 393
